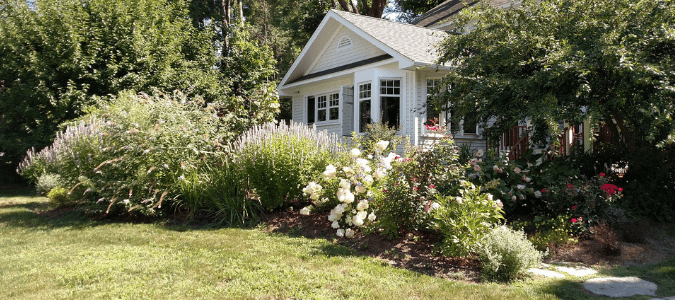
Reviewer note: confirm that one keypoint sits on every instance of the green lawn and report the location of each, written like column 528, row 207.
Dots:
column 71, row 257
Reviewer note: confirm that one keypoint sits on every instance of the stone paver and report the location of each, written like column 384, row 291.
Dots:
column 620, row 286
column 546, row 273
column 579, row 272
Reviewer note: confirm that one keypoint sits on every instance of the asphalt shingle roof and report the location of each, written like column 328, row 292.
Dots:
column 440, row 13
column 414, row 42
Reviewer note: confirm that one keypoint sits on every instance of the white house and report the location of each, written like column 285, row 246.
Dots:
column 357, row 69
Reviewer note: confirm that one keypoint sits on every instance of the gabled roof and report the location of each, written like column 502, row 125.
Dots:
column 410, row 45
column 442, row 12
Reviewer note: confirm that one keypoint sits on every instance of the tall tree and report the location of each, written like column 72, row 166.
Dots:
column 567, row 60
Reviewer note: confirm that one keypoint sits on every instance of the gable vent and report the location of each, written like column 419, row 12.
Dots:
column 345, row 42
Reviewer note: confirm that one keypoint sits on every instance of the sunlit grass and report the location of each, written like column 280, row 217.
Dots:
column 71, row 257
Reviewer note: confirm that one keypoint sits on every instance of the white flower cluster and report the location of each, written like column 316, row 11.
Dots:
column 353, row 184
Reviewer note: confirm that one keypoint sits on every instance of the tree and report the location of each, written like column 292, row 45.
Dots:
column 57, row 57
column 566, row 60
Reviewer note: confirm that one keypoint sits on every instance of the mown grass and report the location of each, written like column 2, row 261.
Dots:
column 72, row 257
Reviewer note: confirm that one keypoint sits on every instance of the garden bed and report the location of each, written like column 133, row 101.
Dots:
column 415, row 250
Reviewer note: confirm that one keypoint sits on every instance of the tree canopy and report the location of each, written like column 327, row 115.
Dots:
column 57, row 57
column 566, row 60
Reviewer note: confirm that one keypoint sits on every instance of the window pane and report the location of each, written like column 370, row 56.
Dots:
column 322, row 115
column 364, row 91
column 390, row 111
column 470, row 123
column 390, row 87
column 322, row 101
column 334, row 113
column 334, row 99
column 310, row 109
column 364, row 115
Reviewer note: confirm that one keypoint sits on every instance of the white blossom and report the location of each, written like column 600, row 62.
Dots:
column 330, row 172
column 305, row 211
column 349, row 233
column 355, row 152
column 520, row 186
column 372, row 217
column 340, row 232
column 537, row 194
column 517, row 170
column 363, row 205
column 335, row 225
column 381, row 145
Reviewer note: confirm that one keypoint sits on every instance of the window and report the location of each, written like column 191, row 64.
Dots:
column 364, row 106
column 390, row 102
column 433, row 112
column 470, row 124
column 310, row 109
column 324, row 107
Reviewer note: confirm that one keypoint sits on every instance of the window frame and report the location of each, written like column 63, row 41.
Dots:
column 382, row 94
column 330, row 104
column 369, row 98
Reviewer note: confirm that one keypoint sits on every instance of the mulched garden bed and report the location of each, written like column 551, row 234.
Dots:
column 414, row 250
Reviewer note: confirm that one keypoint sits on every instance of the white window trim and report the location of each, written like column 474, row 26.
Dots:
column 327, row 108
column 400, row 96
column 358, row 107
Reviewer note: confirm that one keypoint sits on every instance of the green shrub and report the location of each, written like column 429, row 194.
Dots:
column 46, row 182
column 506, row 254
column 59, row 196
column 546, row 232
column 375, row 133
column 278, row 160
column 465, row 219
column 410, row 191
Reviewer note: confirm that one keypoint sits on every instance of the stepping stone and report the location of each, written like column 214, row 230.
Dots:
column 546, row 273
column 620, row 286
column 579, row 272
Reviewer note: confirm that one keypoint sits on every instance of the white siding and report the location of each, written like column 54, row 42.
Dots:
column 298, row 111
column 358, row 51
column 331, row 129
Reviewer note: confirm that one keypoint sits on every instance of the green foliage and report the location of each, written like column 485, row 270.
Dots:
column 566, row 60
column 375, row 133
column 277, row 160
column 465, row 219
column 46, row 182
column 59, row 196
column 56, row 55
column 506, row 255
column 413, row 184
column 544, row 232
column 138, row 153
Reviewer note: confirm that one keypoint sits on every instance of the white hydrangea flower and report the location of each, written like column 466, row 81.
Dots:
column 368, row 180
column 495, row 168
column 349, row 198
column 345, row 184
column 490, row 197
column 333, row 217
column 520, row 186
column 372, row 217
column 513, row 198
column 517, row 170
column 379, row 173
column 335, row 225
column 340, row 232
column 360, row 189
column 305, row 211
column 349, row 233
column 499, row 203
column 459, row 200
column 363, row 205
column 435, row 205
column 348, row 170
column 381, row 145
column 340, row 209
column 355, row 152
column 358, row 222
column 330, row 172
column 537, row 194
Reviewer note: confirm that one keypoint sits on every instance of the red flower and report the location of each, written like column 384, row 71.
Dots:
column 574, row 207
column 610, row 189
column 432, row 186
column 384, row 191
column 569, row 185
column 415, row 188
column 602, row 174
column 620, row 190
column 574, row 220
column 544, row 190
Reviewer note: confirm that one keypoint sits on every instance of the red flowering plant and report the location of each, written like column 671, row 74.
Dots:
column 584, row 201
column 409, row 191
